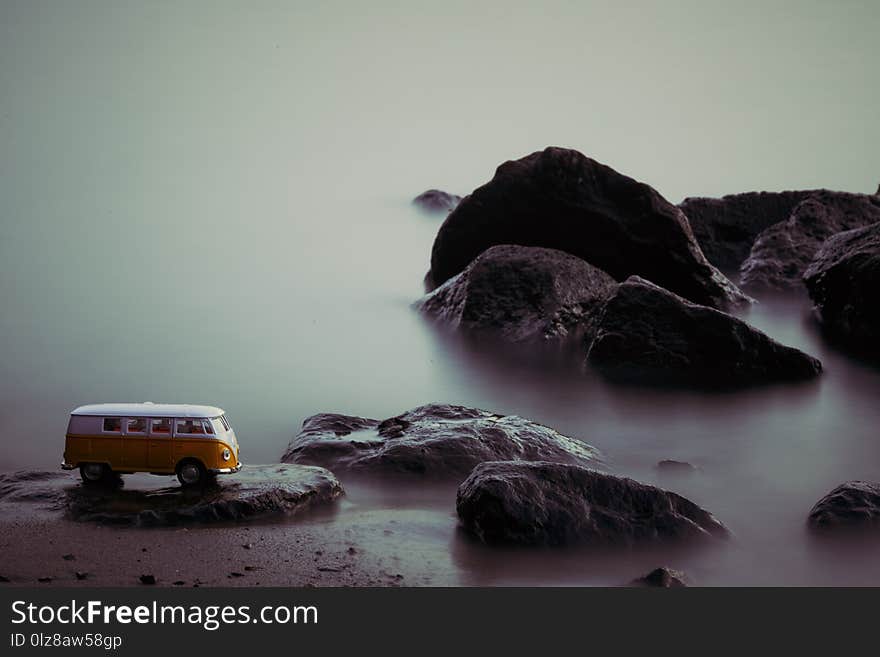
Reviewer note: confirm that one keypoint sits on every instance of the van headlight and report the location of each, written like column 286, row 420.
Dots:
column 226, row 454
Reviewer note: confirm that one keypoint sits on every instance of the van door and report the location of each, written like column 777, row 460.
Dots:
column 134, row 443
column 159, row 456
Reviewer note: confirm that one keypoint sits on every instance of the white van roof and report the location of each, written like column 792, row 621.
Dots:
column 148, row 409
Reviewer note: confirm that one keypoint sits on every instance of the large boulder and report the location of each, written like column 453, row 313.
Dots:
column 435, row 200
column 646, row 334
column 437, row 440
column 522, row 294
column 727, row 227
column 843, row 281
column 560, row 199
column 253, row 493
column 853, row 505
column 542, row 504
column 781, row 253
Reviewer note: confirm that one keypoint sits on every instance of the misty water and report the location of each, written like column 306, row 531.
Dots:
column 276, row 330
column 213, row 207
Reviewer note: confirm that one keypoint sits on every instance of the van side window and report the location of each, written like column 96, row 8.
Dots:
column 136, row 425
column 161, row 426
column 190, row 428
column 112, row 425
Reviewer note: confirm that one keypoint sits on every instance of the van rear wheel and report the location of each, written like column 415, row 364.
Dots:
column 93, row 473
column 191, row 473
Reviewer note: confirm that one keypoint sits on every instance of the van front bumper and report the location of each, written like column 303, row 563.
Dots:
column 67, row 466
column 225, row 470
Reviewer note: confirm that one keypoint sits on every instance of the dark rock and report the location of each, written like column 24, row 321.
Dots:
column 179, row 582
column 149, row 580
column 727, row 227
column 522, row 294
column 663, row 578
column 254, row 492
column 44, row 580
column 435, row 200
column 80, row 575
column 543, row 503
column 681, row 467
column 843, row 281
column 68, row 557
column 4, row 580
column 437, row 440
column 561, row 199
column 782, row 252
column 648, row 335
column 853, row 505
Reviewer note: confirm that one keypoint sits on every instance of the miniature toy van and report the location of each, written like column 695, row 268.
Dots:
column 193, row 442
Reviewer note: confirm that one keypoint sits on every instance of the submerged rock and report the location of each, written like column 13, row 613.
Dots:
column 727, row 227
column 437, row 440
column 522, row 294
column 435, row 200
column 781, row 253
column 679, row 467
column 853, row 505
column 662, row 578
column 560, row 199
column 254, row 492
column 843, row 281
column 541, row 503
column 646, row 334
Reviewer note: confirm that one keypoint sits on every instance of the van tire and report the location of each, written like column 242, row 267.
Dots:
column 94, row 473
column 191, row 472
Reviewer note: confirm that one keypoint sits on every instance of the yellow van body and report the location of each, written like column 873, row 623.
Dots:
column 154, row 438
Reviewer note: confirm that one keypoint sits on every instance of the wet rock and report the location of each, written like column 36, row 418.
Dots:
column 663, row 578
column 677, row 467
column 647, row 334
column 843, row 281
column 560, row 199
column 782, row 252
column 543, row 503
column 727, row 227
column 35, row 487
column 436, row 440
column 254, row 492
column 149, row 580
column 435, row 200
column 853, row 505
column 522, row 294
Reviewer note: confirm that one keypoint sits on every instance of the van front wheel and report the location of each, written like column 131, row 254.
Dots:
column 191, row 473
column 93, row 473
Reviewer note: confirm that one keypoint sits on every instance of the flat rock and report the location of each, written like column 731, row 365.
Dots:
column 545, row 504
column 560, row 199
column 843, row 281
column 727, row 227
column 782, row 252
column 646, row 334
column 853, row 505
column 522, row 294
column 436, row 440
column 662, row 578
column 435, row 200
column 255, row 492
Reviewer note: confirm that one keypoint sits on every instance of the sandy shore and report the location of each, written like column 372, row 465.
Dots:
column 371, row 548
